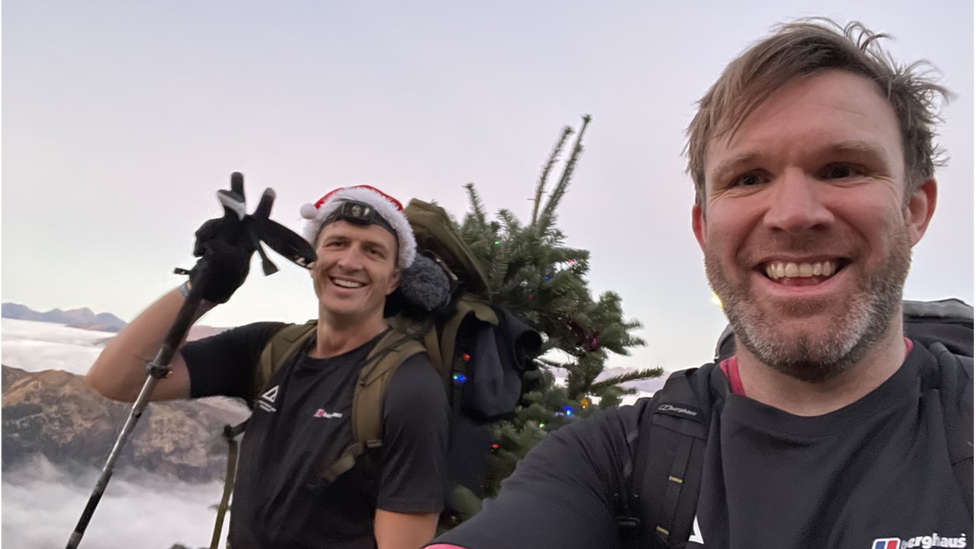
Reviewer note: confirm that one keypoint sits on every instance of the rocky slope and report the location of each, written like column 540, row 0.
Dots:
column 54, row 414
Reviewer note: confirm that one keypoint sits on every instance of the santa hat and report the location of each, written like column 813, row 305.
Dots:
column 384, row 205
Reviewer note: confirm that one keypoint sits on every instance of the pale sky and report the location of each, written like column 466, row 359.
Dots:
column 122, row 119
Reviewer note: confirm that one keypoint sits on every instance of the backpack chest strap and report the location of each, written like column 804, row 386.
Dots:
column 347, row 460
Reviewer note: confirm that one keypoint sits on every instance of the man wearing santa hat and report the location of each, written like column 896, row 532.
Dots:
column 301, row 420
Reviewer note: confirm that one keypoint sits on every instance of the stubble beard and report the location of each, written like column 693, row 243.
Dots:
column 817, row 357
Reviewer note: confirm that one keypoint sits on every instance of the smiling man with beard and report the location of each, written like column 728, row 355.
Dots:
column 813, row 159
column 807, row 216
column 389, row 498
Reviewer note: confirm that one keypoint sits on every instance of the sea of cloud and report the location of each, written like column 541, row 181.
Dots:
column 41, row 503
column 36, row 346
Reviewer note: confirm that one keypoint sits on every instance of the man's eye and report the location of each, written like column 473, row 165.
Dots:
column 747, row 180
column 838, row 171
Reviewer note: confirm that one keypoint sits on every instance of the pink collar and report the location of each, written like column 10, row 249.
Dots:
column 730, row 367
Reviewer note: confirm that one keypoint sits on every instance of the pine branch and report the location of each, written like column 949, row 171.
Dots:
column 550, row 363
column 636, row 375
column 498, row 270
column 477, row 206
column 548, row 213
column 512, row 225
column 553, row 156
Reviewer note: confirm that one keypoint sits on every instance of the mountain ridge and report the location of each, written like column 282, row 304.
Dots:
column 83, row 318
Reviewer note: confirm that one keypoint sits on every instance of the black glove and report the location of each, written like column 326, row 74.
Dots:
column 225, row 249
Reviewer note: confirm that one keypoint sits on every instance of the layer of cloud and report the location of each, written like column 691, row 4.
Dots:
column 42, row 504
column 36, row 346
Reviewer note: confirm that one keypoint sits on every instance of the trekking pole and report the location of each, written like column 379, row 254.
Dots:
column 157, row 369
column 260, row 228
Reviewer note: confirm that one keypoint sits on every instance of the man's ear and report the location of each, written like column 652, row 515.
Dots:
column 394, row 280
column 920, row 208
column 698, row 224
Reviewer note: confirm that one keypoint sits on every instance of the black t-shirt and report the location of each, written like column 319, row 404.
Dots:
column 866, row 476
column 301, row 422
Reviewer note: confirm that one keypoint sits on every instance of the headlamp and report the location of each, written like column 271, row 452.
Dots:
column 358, row 213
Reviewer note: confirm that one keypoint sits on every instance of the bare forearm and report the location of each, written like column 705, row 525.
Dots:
column 403, row 530
column 120, row 370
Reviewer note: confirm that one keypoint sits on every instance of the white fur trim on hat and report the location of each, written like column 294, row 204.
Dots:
column 388, row 209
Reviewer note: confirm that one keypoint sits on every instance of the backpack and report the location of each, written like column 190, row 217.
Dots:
column 480, row 351
column 667, row 459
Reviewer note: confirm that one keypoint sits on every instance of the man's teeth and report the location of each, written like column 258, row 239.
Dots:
column 779, row 269
column 347, row 283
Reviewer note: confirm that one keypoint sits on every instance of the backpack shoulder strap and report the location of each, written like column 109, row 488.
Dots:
column 280, row 348
column 393, row 349
column 953, row 378
column 961, row 439
column 668, row 459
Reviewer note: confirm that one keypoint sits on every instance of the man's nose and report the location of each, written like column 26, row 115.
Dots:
column 796, row 203
column 351, row 258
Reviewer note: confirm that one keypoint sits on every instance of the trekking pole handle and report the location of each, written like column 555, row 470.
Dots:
column 157, row 369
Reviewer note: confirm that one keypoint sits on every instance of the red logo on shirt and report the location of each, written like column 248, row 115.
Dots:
column 328, row 415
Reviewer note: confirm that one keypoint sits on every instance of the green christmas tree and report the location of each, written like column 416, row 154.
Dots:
column 539, row 278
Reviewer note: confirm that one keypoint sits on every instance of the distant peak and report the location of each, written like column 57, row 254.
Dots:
column 80, row 318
